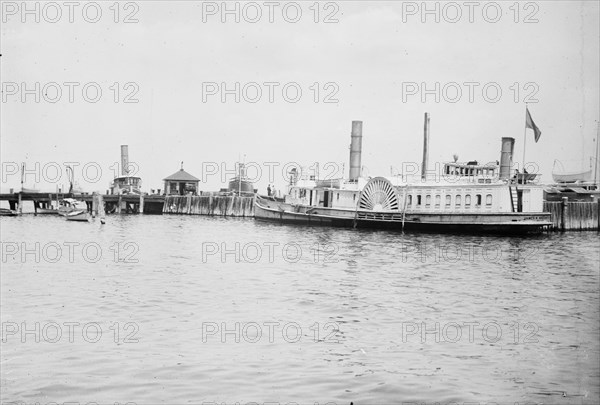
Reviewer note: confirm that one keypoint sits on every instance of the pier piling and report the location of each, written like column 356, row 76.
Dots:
column 94, row 205
column 565, row 212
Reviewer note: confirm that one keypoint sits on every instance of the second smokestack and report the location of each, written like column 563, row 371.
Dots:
column 506, row 154
column 355, row 150
column 425, row 148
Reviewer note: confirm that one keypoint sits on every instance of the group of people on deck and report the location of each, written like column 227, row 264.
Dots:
column 271, row 190
column 521, row 177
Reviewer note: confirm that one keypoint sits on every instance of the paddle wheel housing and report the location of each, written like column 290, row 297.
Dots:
column 379, row 194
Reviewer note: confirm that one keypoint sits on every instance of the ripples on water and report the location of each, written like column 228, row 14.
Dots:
column 377, row 287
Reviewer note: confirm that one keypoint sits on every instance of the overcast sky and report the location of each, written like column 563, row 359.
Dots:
column 375, row 50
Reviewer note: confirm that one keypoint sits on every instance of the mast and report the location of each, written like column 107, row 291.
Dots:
column 524, row 138
column 71, row 178
column 597, row 165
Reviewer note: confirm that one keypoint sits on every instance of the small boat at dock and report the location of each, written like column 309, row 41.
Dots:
column 50, row 208
column 81, row 216
column 68, row 205
column 5, row 212
column 47, row 211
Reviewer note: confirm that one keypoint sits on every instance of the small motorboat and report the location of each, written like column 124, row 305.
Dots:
column 68, row 205
column 5, row 212
column 81, row 216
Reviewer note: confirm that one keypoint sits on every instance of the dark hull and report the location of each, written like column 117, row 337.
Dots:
column 243, row 186
column 46, row 211
column 476, row 223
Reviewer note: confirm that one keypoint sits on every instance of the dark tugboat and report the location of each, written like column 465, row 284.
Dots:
column 240, row 183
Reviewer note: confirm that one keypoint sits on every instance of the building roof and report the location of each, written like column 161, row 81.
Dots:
column 181, row 175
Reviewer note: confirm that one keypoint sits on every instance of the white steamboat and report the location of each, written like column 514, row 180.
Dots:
column 464, row 198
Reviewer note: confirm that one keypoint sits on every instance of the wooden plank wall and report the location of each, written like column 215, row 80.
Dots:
column 219, row 205
column 573, row 215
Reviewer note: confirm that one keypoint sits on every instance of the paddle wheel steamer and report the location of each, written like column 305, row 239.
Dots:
column 464, row 198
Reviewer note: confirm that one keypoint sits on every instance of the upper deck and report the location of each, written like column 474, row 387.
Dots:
column 470, row 173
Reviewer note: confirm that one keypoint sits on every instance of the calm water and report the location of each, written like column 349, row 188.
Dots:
column 148, row 309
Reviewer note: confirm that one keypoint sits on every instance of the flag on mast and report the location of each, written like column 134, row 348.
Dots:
column 530, row 124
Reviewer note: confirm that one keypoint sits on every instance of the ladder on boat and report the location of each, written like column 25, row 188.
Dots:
column 514, row 198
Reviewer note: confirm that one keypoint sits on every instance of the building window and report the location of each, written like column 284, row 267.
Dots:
column 488, row 200
column 418, row 200
column 478, row 200
column 409, row 203
column 448, row 201
column 338, row 196
column 468, row 200
column 427, row 200
column 458, row 201
column 438, row 201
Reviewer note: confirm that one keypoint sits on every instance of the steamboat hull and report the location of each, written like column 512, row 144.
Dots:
column 471, row 223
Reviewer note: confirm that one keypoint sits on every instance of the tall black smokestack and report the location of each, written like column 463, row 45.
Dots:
column 425, row 148
column 355, row 150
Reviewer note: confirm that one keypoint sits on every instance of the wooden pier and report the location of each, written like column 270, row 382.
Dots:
column 219, row 204
column 214, row 205
column 565, row 215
